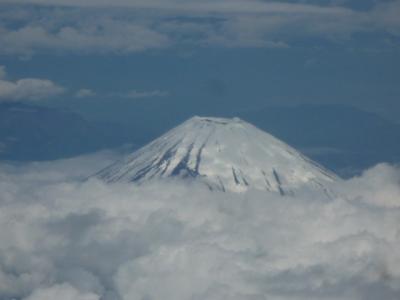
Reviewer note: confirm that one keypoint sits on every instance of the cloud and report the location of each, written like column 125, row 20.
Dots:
column 192, row 6
column 86, row 35
column 3, row 72
column 61, row 292
column 27, row 88
column 84, row 93
column 132, row 26
column 386, row 16
column 134, row 94
column 382, row 182
column 88, row 240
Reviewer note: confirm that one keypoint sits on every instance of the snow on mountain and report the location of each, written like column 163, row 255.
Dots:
column 226, row 154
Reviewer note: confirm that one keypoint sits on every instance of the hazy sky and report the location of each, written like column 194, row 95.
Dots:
column 200, row 56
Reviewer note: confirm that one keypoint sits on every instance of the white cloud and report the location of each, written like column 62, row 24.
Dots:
column 144, row 94
column 84, row 93
column 216, row 6
column 170, row 241
column 381, row 182
column 131, row 26
column 61, row 292
column 27, row 88
column 88, row 35
column 133, row 94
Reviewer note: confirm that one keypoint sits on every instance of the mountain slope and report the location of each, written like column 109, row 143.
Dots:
column 30, row 132
column 345, row 139
column 226, row 154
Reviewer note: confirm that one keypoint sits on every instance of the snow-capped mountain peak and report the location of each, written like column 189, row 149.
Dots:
column 225, row 154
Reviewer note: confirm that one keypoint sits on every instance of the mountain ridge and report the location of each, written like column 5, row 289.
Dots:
column 31, row 132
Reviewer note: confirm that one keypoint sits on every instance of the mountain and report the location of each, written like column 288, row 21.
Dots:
column 31, row 132
column 225, row 154
column 345, row 139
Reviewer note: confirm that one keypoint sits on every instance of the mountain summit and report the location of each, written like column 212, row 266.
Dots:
column 225, row 154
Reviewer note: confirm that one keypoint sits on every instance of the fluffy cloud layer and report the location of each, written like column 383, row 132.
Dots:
column 130, row 26
column 87, row 240
column 27, row 88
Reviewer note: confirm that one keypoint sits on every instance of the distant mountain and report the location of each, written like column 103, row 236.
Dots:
column 342, row 138
column 226, row 154
column 29, row 132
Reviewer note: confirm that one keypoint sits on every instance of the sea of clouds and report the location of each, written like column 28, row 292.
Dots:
column 65, row 238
